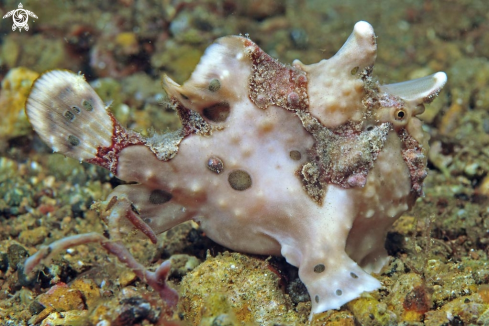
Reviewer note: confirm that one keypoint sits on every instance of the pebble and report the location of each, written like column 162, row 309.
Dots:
column 62, row 298
column 33, row 237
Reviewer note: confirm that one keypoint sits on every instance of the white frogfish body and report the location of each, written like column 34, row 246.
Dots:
column 312, row 162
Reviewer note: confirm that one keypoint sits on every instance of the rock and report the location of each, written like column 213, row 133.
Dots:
column 62, row 298
column 368, row 311
column 182, row 264
column 461, row 311
column 89, row 290
column 236, row 285
column 14, row 91
column 127, row 277
column 409, row 298
column 16, row 254
column 67, row 318
column 33, row 237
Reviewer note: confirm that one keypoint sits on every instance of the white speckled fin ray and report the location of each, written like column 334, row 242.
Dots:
column 68, row 115
column 418, row 91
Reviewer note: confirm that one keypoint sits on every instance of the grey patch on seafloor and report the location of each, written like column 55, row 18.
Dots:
column 316, row 298
column 73, row 140
column 159, row 197
column 218, row 112
column 239, row 180
column 214, row 85
column 339, row 292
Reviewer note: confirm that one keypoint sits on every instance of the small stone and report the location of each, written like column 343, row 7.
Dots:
column 23, row 279
column 299, row 38
column 89, row 289
column 223, row 320
column 36, row 319
column 135, row 310
column 182, row 264
column 128, row 277
column 16, row 254
column 3, row 262
column 62, row 298
column 484, row 186
column 33, row 237
column 67, row 318
column 216, row 282
column 35, row 307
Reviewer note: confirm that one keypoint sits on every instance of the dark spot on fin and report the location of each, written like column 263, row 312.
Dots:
column 87, row 105
column 69, row 115
column 73, row 140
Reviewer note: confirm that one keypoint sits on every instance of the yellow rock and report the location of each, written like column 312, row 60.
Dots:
column 89, row 290
column 69, row 318
column 410, row 298
column 128, row 42
column 33, row 237
column 242, row 287
column 450, row 118
column 126, row 39
column 36, row 319
column 369, row 311
column 333, row 318
column 14, row 92
column 127, row 277
column 62, row 298
column 484, row 186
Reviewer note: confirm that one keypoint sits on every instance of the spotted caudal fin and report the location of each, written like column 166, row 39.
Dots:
column 68, row 115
